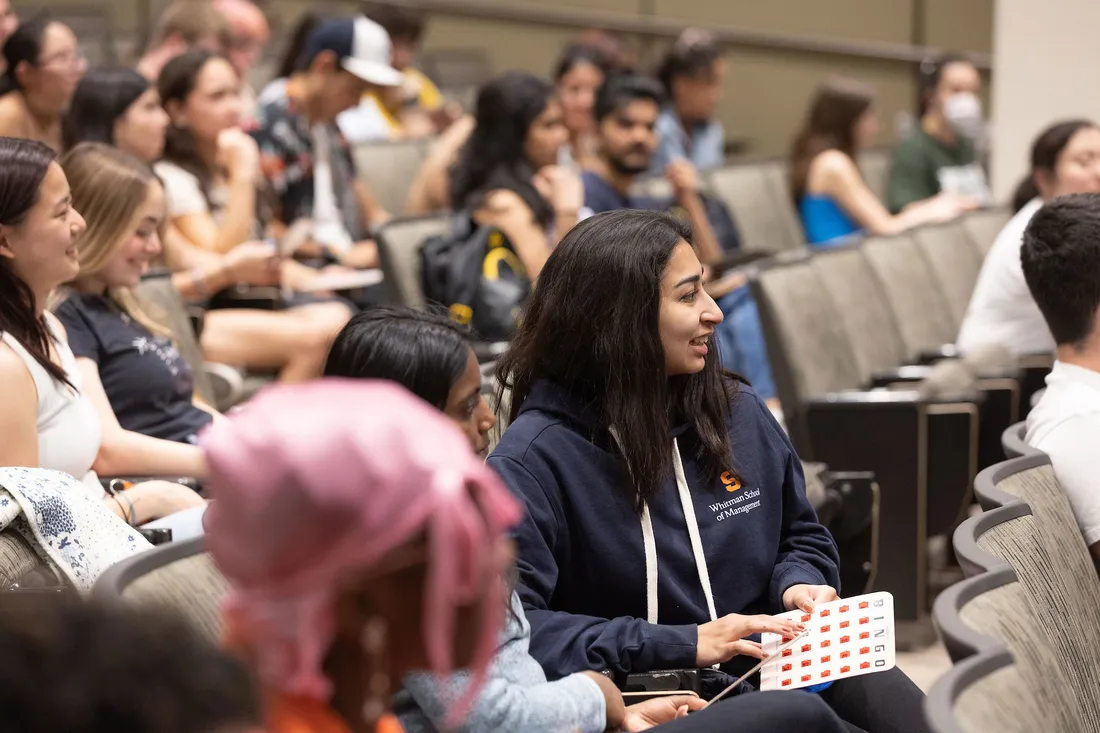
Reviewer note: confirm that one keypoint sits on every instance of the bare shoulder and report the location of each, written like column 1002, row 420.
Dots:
column 831, row 169
column 15, row 378
column 13, row 118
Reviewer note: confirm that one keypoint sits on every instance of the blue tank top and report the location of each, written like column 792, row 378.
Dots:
column 825, row 222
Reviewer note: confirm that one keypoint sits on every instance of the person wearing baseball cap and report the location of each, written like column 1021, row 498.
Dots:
column 303, row 155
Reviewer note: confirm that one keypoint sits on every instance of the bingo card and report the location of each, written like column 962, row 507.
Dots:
column 844, row 638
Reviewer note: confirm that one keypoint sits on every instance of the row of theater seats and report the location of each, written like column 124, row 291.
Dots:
column 859, row 340
column 1022, row 629
column 757, row 193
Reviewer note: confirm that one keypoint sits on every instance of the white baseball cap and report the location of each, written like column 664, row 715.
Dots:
column 363, row 47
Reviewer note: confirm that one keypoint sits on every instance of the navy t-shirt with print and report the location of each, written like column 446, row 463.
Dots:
column 148, row 383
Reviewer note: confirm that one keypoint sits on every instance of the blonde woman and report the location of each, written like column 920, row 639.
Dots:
column 133, row 374
column 48, row 419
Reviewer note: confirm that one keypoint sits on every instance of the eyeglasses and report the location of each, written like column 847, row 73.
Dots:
column 66, row 60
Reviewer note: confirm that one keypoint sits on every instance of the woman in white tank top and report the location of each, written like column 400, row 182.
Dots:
column 47, row 421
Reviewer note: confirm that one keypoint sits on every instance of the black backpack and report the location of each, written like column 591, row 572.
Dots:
column 475, row 273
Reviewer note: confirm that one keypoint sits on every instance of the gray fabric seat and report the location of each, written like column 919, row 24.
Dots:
column 179, row 576
column 17, row 559
column 1012, row 441
column 918, row 304
column 984, row 694
column 954, row 262
column 984, row 226
column 388, row 169
column 863, row 309
column 763, row 217
column 399, row 244
column 1053, row 564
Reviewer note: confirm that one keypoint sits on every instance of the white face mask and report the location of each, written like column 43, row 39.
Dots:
column 964, row 114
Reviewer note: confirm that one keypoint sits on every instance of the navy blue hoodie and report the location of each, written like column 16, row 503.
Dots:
column 581, row 557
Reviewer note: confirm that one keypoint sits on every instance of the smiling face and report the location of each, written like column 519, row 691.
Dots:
column 688, row 316
column 139, row 243
column 42, row 248
column 468, row 409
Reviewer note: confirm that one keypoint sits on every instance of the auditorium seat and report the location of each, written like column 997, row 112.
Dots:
column 898, row 435
column 1045, row 548
column 984, row 226
column 1012, row 440
column 918, row 304
column 389, row 168
column 399, row 242
column 179, row 576
column 764, row 218
column 986, row 693
column 954, row 262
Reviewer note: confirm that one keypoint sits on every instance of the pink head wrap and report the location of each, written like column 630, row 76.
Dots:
column 315, row 484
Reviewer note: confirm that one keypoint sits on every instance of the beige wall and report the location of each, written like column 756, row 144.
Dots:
column 1045, row 61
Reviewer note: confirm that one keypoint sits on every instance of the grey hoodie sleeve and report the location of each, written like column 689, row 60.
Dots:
column 516, row 695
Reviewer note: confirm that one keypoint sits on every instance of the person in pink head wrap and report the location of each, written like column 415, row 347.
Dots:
column 362, row 539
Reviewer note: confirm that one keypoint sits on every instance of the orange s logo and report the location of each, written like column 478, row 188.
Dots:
column 731, row 482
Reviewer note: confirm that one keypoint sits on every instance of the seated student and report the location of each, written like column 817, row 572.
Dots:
column 829, row 191
column 621, row 439
column 304, row 157
column 44, row 64
column 120, row 107
column 1065, row 159
column 123, row 354
column 305, row 547
column 53, row 650
column 941, row 153
column 415, row 108
column 50, row 415
column 692, row 73
column 249, row 32
column 211, row 167
column 1060, row 257
column 182, row 26
column 507, row 172
column 426, row 352
column 578, row 76
column 626, row 114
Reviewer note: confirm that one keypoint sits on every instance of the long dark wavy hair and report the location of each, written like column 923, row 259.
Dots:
column 177, row 83
column 23, row 167
column 830, row 125
column 591, row 326
column 493, row 158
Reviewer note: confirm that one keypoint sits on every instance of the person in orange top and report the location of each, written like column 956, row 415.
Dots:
column 362, row 540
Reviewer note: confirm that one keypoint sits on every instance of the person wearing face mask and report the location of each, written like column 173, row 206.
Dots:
column 941, row 154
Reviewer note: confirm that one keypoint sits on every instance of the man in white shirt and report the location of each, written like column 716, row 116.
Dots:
column 1060, row 258
column 1001, row 309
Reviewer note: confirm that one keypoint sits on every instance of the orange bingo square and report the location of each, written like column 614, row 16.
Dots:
column 864, row 665
column 787, row 667
column 825, row 629
column 825, row 613
column 845, row 669
column 807, row 662
column 806, row 647
column 786, row 683
column 845, row 654
column 843, row 609
column 865, row 650
column 844, row 624
column 805, row 618
column 787, row 652
column 863, row 605
column 825, row 673
column 865, row 635
column 865, row 620
column 825, row 644
column 825, row 659
column 806, row 677
column 845, row 639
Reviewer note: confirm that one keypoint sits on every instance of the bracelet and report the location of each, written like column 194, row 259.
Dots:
column 198, row 280
column 130, row 517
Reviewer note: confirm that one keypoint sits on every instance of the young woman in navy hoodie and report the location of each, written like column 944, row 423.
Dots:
column 667, row 517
